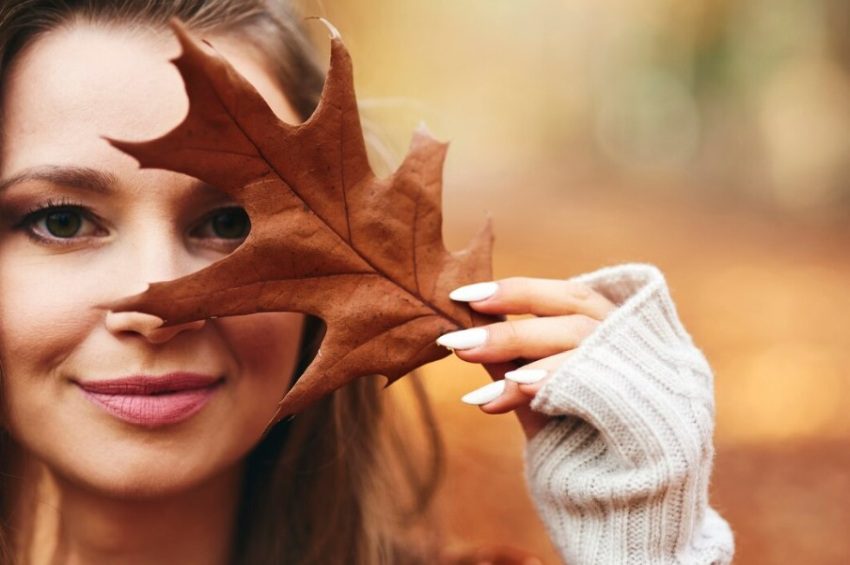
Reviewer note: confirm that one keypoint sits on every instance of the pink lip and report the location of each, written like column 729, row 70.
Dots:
column 151, row 401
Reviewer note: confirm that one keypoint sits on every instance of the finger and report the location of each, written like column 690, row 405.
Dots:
column 531, row 421
column 529, row 338
column 496, row 398
column 541, row 297
column 499, row 397
column 532, row 377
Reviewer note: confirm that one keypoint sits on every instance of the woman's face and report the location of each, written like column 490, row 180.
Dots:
column 66, row 90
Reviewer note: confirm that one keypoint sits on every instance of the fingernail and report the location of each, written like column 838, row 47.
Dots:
column 485, row 394
column 526, row 376
column 463, row 339
column 473, row 292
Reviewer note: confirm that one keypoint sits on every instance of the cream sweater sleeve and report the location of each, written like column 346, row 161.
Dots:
column 620, row 474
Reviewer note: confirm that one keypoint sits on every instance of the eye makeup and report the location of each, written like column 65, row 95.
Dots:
column 30, row 218
column 222, row 228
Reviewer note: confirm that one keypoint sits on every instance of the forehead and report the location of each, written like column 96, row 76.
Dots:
column 76, row 83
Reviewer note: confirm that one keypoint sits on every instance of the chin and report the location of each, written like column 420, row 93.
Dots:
column 139, row 473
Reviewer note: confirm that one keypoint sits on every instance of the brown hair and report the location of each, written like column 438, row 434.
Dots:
column 338, row 483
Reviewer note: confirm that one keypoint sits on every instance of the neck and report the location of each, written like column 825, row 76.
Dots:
column 58, row 522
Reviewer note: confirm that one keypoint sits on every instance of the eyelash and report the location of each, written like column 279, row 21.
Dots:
column 38, row 212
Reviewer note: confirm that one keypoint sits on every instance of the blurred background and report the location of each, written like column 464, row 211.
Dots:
column 710, row 138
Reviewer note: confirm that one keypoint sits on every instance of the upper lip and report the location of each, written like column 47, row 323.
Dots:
column 151, row 384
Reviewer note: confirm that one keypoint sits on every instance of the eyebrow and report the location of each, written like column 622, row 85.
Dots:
column 85, row 178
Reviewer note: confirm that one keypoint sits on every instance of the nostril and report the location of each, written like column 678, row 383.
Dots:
column 147, row 325
column 132, row 321
column 160, row 335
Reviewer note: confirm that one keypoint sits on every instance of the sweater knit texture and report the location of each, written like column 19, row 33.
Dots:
column 620, row 473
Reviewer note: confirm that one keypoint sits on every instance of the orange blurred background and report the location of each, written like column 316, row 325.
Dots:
column 710, row 138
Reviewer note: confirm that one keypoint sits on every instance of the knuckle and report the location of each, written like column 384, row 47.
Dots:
column 579, row 292
column 504, row 334
column 585, row 324
column 514, row 285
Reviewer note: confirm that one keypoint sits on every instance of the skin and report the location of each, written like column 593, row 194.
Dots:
column 109, row 491
column 564, row 313
column 108, row 488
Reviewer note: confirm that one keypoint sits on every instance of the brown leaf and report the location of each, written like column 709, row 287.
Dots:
column 327, row 237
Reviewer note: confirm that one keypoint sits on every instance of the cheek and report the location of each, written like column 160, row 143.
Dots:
column 41, row 320
column 266, row 346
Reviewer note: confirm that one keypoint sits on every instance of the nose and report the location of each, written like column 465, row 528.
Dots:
column 146, row 325
column 155, row 255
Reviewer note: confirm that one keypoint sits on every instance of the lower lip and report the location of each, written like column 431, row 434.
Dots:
column 154, row 410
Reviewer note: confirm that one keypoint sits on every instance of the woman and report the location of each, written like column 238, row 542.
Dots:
column 619, row 429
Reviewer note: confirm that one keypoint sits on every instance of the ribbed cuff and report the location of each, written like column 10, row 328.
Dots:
column 637, row 378
column 620, row 473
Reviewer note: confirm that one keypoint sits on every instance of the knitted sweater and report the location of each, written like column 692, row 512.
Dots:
column 620, row 474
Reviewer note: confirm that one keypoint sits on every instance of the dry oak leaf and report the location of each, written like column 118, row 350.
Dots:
column 327, row 237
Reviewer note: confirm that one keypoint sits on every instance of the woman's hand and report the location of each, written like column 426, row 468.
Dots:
column 520, row 354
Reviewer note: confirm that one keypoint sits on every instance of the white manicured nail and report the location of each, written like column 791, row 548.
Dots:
column 473, row 292
column 463, row 339
column 526, row 376
column 485, row 394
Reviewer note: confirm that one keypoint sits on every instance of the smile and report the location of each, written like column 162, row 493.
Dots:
column 150, row 405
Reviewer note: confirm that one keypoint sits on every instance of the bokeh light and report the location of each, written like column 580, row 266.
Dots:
column 710, row 138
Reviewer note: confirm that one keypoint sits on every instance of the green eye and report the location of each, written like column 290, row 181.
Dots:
column 64, row 223
column 231, row 223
